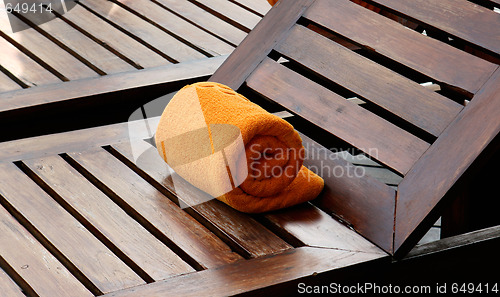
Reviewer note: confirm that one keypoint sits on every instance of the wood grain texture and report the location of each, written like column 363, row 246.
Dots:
column 64, row 63
column 128, row 236
column 143, row 30
column 155, row 209
column 365, row 203
column 34, row 266
column 248, row 276
column 261, row 7
column 315, row 228
column 119, row 41
column 232, row 12
column 397, row 94
column 87, row 254
column 241, row 230
column 204, row 19
column 445, row 161
column 375, row 136
column 9, row 288
column 410, row 48
column 257, row 46
column 23, row 67
column 7, row 84
column 459, row 18
column 85, row 47
column 48, row 145
column 180, row 27
column 82, row 89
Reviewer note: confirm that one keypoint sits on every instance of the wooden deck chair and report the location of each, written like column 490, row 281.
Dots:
column 430, row 139
column 79, row 217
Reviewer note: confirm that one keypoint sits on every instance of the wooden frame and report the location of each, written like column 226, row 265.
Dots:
column 392, row 220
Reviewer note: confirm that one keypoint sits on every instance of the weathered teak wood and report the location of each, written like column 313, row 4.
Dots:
column 254, row 274
column 307, row 87
column 67, row 236
column 461, row 19
column 9, row 288
column 31, row 265
column 94, row 208
column 251, row 237
column 412, row 49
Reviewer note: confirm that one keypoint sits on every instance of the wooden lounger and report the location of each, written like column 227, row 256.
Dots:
column 80, row 217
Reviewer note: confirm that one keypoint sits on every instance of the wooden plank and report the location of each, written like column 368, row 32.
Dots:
column 47, row 145
column 100, row 212
column 119, row 41
column 261, row 7
column 315, row 228
column 259, row 44
column 24, row 68
column 154, row 209
column 64, row 63
column 410, row 48
column 254, row 274
column 179, row 27
column 204, row 20
column 9, row 288
column 365, row 203
column 158, row 39
column 108, row 84
column 235, row 14
column 242, row 231
column 34, row 267
column 7, row 84
column 85, row 47
column 461, row 18
column 375, row 136
column 420, row 192
column 393, row 92
column 89, row 257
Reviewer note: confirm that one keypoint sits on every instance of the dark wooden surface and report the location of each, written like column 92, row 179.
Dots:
column 97, row 38
column 428, row 56
column 461, row 19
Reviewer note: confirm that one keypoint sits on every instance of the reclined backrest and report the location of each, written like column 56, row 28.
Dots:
column 335, row 49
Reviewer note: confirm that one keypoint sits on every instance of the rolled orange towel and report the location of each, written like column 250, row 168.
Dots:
column 234, row 150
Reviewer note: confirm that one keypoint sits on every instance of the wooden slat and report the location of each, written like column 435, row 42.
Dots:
column 9, row 288
column 314, row 227
column 460, row 18
column 119, row 41
column 410, row 48
column 251, row 275
column 179, row 27
column 64, row 63
column 250, row 236
column 362, row 201
column 231, row 11
column 382, row 140
column 261, row 7
column 146, row 252
column 204, row 19
column 85, row 47
column 47, row 145
column 260, row 43
column 153, row 208
column 23, row 67
column 403, row 97
column 445, row 161
column 87, row 254
column 7, row 84
column 83, row 89
column 150, row 34
column 32, row 264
